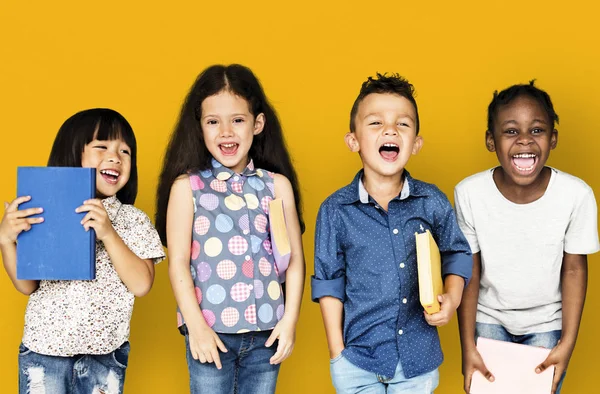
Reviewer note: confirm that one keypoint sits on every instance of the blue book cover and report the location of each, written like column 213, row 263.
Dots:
column 59, row 248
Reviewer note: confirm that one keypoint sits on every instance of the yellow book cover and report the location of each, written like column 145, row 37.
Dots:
column 429, row 266
column 280, row 239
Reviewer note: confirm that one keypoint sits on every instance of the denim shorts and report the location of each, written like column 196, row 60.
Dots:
column 81, row 374
column 246, row 367
column 349, row 379
column 547, row 339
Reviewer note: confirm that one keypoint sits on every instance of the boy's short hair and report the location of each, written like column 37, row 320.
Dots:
column 382, row 84
column 509, row 94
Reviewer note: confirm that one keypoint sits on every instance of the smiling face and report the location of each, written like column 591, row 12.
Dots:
column 112, row 160
column 228, row 129
column 385, row 134
column 522, row 138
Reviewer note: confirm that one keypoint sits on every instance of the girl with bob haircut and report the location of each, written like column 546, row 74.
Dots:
column 74, row 326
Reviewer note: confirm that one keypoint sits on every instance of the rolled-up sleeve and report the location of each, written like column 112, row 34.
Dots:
column 454, row 248
column 330, row 273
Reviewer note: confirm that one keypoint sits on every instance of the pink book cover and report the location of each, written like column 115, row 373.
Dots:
column 513, row 366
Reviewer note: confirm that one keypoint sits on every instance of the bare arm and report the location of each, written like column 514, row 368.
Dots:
column 297, row 269
column 136, row 273
column 332, row 311
column 467, row 312
column 574, row 277
column 180, row 216
column 286, row 328
column 13, row 223
column 449, row 301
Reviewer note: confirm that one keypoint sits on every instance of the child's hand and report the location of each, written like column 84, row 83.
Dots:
column 333, row 353
column 16, row 221
column 559, row 357
column 472, row 362
column 96, row 218
column 285, row 331
column 447, row 308
column 205, row 345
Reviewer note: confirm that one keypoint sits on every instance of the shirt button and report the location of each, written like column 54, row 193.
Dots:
column 402, row 265
column 247, row 257
column 236, row 178
column 400, row 332
column 250, row 287
column 395, row 231
column 404, row 300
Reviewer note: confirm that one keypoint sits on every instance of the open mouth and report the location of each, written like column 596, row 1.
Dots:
column 524, row 162
column 389, row 151
column 229, row 149
column 110, row 176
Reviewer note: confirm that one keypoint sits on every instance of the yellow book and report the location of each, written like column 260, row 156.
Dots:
column 280, row 239
column 429, row 266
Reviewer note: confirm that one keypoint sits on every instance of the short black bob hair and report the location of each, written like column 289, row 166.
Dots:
column 85, row 126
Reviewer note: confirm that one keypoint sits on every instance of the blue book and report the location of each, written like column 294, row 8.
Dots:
column 59, row 248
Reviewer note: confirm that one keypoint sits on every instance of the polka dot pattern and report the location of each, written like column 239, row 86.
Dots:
column 195, row 252
column 201, row 225
column 196, row 183
column 236, row 284
column 260, row 223
column 226, row 269
column 380, row 264
column 210, row 202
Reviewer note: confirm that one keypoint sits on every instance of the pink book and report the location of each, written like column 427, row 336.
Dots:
column 513, row 366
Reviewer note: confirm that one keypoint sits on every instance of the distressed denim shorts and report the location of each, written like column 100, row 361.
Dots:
column 80, row 374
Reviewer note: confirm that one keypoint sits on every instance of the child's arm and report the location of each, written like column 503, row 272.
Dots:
column 573, row 276
column 204, row 342
column 449, row 301
column 329, row 280
column 457, row 263
column 136, row 273
column 13, row 223
column 332, row 311
column 467, row 311
column 285, row 330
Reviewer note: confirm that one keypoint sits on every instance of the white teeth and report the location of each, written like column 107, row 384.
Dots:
column 110, row 172
column 390, row 145
column 524, row 169
column 228, row 145
column 524, row 155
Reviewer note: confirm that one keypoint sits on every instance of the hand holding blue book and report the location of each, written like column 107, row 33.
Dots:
column 59, row 248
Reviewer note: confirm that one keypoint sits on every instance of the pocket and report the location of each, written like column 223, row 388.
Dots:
column 336, row 358
column 23, row 350
column 121, row 355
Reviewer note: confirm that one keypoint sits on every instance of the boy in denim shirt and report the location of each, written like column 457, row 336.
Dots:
column 380, row 339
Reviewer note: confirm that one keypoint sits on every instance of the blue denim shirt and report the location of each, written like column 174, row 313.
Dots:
column 366, row 257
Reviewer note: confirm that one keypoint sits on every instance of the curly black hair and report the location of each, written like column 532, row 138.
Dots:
column 511, row 93
column 382, row 83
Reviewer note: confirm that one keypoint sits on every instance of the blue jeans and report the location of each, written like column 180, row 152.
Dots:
column 350, row 379
column 547, row 339
column 246, row 368
column 81, row 374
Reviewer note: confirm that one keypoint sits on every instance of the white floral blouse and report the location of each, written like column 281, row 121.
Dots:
column 65, row 318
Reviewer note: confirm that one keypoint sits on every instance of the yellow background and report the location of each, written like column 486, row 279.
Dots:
column 60, row 57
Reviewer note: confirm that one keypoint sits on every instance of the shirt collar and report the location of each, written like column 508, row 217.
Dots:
column 356, row 191
column 223, row 173
column 112, row 205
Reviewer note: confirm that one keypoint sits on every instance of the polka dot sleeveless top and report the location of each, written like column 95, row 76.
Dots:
column 232, row 264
